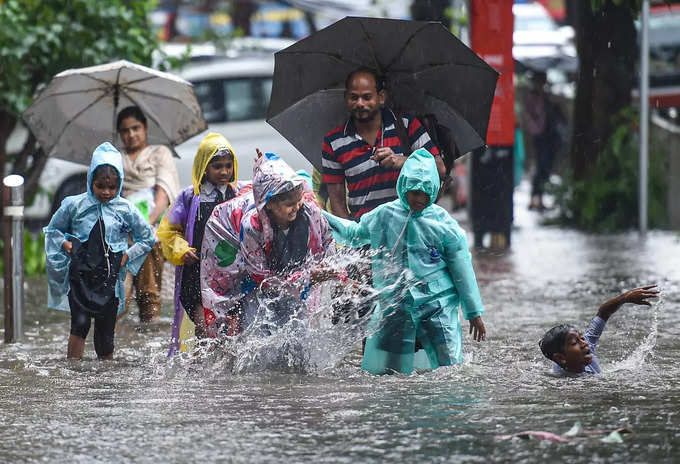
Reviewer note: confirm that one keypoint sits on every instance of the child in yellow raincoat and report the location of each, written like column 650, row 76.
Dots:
column 214, row 180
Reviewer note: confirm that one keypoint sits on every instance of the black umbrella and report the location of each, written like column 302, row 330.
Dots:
column 426, row 69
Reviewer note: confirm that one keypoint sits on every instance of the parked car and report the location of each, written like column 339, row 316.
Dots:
column 234, row 94
column 536, row 35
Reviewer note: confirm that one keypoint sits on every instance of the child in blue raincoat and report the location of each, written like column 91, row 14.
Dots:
column 86, row 247
column 415, row 234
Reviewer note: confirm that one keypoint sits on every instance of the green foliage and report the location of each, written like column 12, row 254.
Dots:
column 40, row 38
column 608, row 199
column 458, row 18
column 34, row 254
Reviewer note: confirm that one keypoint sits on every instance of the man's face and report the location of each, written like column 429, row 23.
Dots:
column 575, row 353
column 362, row 97
column 132, row 133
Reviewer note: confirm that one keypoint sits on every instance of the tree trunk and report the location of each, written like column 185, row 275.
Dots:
column 243, row 10
column 20, row 164
column 7, row 124
column 32, row 172
column 607, row 49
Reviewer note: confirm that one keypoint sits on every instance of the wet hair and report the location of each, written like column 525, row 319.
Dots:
column 553, row 340
column 285, row 195
column 106, row 170
column 131, row 111
column 222, row 152
column 379, row 81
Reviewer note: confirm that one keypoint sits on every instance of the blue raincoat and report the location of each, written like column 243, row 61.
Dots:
column 75, row 218
column 433, row 247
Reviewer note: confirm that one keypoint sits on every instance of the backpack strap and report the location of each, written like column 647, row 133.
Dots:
column 402, row 134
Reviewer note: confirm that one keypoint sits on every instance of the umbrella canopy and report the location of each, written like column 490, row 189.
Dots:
column 426, row 70
column 77, row 110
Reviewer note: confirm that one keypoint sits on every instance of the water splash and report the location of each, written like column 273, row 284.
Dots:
column 309, row 336
column 639, row 357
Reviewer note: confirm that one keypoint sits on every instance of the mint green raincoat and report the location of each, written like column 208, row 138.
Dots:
column 433, row 247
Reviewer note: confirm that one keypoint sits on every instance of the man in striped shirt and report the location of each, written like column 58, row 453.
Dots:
column 366, row 151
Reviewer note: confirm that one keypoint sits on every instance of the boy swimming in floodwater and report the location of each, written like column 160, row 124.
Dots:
column 412, row 233
column 573, row 354
column 87, row 253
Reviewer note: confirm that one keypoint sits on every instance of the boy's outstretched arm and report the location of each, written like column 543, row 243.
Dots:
column 636, row 296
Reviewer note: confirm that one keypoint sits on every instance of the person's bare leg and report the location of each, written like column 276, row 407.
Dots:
column 149, row 286
column 76, row 347
column 108, row 357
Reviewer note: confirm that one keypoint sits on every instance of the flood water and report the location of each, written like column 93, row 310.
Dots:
column 145, row 408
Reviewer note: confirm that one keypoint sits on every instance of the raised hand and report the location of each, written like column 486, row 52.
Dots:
column 640, row 295
column 636, row 296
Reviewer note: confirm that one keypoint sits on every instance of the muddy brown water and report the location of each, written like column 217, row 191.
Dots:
column 144, row 408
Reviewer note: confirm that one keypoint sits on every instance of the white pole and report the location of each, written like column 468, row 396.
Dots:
column 13, row 194
column 644, row 114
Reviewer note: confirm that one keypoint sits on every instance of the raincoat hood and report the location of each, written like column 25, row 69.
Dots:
column 271, row 176
column 418, row 173
column 76, row 217
column 105, row 154
column 210, row 145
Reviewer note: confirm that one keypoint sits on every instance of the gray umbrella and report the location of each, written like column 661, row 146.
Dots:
column 78, row 109
column 426, row 69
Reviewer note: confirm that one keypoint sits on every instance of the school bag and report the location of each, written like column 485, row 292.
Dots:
column 439, row 134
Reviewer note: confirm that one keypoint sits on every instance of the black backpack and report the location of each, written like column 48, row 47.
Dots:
column 439, row 134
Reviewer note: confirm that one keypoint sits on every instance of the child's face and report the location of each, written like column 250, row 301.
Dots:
column 285, row 211
column 220, row 170
column 105, row 188
column 417, row 200
column 575, row 354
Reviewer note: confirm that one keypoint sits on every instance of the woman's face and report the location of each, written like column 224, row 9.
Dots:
column 133, row 134
column 285, row 211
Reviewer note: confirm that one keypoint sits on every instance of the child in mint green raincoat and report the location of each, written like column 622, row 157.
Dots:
column 415, row 234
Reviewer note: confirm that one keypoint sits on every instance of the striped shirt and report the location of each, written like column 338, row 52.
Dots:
column 346, row 157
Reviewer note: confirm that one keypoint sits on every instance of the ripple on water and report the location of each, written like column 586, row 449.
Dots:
column 143, row 407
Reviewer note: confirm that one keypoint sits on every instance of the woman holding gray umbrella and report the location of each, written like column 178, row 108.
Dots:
column 151, row 184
